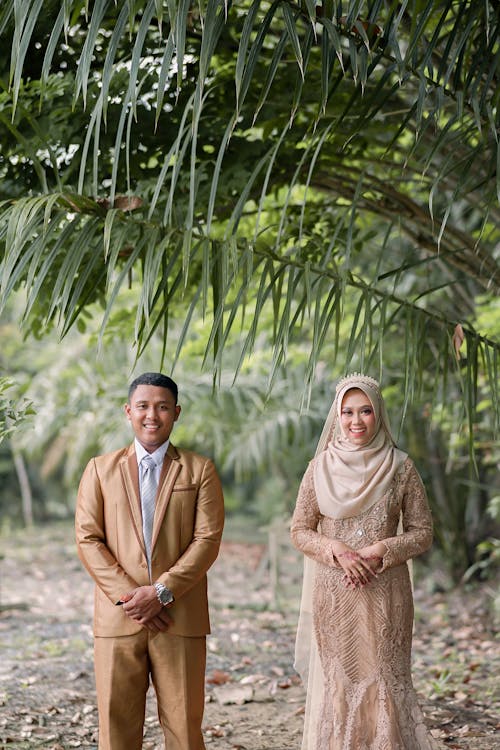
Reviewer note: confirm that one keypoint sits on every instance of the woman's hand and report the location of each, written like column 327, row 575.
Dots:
column 358, row 571
column 374, row 555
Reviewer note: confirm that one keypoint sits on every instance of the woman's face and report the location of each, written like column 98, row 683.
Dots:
column 357, row 417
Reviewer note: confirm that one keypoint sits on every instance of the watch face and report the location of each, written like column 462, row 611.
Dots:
column 166, row 596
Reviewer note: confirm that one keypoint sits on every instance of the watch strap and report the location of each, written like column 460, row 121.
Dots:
column 164, row 594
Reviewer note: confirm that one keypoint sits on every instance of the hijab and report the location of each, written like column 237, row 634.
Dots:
column 349, row 478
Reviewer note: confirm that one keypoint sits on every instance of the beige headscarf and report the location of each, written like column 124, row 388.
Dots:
column 349, row 478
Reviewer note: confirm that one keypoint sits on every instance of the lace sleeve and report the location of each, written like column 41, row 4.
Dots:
column 304, row 529
column 417, row 522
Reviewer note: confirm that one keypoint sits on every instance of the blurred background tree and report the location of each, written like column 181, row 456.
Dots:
column 259, row 197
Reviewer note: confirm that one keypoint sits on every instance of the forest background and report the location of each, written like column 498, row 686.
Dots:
column 257, row 198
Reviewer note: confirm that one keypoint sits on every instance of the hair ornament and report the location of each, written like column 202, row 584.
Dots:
column 357, row 377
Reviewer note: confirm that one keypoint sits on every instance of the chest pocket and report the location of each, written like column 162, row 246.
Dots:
column 182, row 511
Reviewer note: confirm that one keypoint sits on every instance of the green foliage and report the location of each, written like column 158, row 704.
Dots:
column 494, row 508
column 488, row 560
column 260, row 440
column 13, row 411
column 487, row 557
column 284, row 155
column 261, row 196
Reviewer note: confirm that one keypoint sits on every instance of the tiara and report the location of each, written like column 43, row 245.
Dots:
column 357, row 377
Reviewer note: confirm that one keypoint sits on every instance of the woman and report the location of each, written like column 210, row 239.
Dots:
column 354, row 638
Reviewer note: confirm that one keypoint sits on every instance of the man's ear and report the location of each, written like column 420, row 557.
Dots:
column 126, row 409
column 177, row 412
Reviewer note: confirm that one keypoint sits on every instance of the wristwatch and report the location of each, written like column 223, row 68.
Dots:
column 164, row 595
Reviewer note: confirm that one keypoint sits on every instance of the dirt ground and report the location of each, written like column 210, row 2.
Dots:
column 254, row 698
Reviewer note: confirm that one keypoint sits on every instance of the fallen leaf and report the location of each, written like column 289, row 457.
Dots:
column 215, row 731
column 237, row 694
column 218, row 677
column 250, row 679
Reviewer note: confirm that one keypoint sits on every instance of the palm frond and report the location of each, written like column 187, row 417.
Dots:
column 272, row 146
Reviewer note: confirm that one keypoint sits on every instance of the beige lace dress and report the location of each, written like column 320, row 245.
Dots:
column 364, row 635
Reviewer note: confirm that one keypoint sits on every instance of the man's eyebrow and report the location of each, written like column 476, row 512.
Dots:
column 145, row 401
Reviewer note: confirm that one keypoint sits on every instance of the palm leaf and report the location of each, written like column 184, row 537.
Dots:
column 401, row 132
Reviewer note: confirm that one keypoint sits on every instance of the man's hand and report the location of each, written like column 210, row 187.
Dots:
column 142, row 606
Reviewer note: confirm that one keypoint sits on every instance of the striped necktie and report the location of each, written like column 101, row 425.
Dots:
column 148, row 497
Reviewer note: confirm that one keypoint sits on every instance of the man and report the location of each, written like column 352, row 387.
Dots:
column 147, row 531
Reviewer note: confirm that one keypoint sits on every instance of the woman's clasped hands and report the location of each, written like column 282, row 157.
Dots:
column 360, row 566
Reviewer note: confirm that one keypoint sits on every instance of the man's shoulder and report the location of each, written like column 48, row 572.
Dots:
column 185, row 455
column 113, row 457
column 193, row 462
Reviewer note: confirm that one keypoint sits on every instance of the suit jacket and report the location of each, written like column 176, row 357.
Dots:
column 187, row 531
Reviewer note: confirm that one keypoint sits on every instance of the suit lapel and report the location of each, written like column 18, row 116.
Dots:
column 130, row 475
column 170, row 470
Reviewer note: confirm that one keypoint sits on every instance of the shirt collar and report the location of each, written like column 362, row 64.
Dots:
column 158, row 456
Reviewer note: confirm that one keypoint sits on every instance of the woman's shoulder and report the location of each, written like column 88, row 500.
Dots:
column 403, row 472
column 309, row 470
column 408, row 464
column 408, row 474
column 317, row 458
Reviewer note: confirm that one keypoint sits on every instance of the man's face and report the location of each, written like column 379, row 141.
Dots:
column 152, row 412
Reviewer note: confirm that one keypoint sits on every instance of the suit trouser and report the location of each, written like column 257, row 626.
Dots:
column 123, row 666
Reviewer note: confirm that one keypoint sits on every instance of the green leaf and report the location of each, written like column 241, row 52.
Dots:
column 290, row 23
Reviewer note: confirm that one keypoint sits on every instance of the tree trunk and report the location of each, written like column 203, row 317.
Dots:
column 24, row 486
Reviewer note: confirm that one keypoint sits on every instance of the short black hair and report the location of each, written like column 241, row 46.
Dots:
column 154, row 378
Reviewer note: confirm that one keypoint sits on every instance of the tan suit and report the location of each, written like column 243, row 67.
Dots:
column 187, row 530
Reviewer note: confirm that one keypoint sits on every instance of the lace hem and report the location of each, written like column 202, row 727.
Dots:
column 371, row 716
